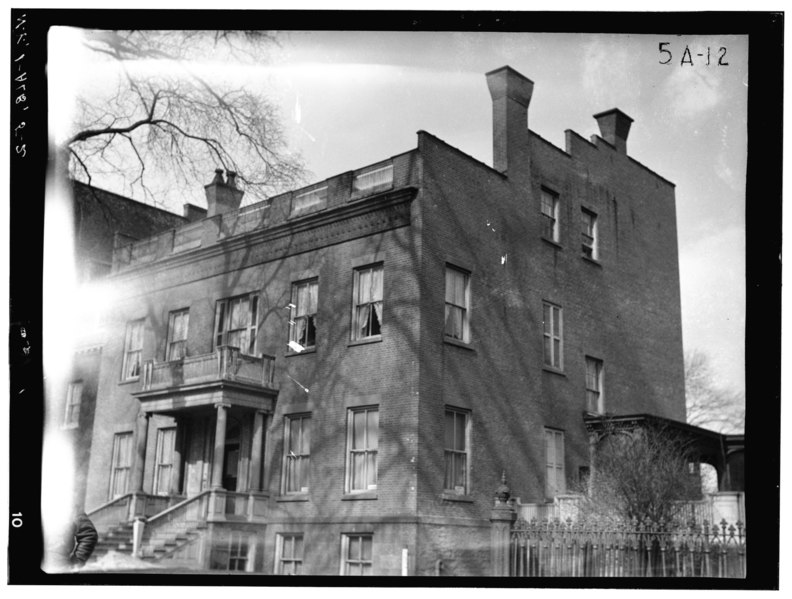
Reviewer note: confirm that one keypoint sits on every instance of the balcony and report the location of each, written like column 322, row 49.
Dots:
column 223, row 376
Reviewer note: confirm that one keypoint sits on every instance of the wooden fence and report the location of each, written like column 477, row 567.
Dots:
column 634, row 549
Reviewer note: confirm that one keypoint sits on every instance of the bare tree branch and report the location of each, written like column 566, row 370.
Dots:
column 177, row 124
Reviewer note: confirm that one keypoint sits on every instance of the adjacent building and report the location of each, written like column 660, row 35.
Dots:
column 334, row 381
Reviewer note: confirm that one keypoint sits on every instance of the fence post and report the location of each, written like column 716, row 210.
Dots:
column 502, row 518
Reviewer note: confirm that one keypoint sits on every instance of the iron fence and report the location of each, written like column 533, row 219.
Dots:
column 632, row 549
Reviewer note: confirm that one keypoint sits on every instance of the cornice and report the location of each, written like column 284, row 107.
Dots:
column 350, row 221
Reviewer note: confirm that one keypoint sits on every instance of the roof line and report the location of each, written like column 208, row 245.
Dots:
column 121, row 197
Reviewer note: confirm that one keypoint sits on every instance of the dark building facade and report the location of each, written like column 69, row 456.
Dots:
column 334, row 381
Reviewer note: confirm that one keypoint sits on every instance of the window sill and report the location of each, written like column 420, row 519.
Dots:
column 552, row 370
column 458, row 343
column 362, row 495
column 365, row 341
column 555, row 244
column 592, row 261
column 129, row 381
column 451, row 496
column 290, row 498
column 291, row 353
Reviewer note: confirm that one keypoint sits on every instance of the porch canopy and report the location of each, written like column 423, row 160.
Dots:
column 724, row 452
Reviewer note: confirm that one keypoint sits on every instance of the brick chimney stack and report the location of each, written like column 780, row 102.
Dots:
column 222, row 196
column 511, row 93
column 614, row 128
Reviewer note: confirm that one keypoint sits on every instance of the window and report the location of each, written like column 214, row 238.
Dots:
column 121, row 464
column 555, row 479
column 367, row 316
column 309, row 201
column 362, row 443
column 230, row 554
column 73, row 400
column 235, row 323
column 588, row 221
column 297, row 453
column 238, row 550
column 457, row 304
column 164, row 462
column 550, row 228
column 133, row 350
column 302, row 326
column 594, row 397
column 356, row 555
column 289, row 554
column 456, row 450
column 553, row 340
column 178, row 323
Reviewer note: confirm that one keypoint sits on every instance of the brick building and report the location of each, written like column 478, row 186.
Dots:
column 334, row 380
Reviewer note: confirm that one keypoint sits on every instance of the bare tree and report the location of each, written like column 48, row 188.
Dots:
column 709, row 405
column 642, row 473
column 174, row 114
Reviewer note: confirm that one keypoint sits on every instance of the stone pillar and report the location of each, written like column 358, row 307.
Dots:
column 502, row 518
column 255, row 482
column 140, row 450
column 219, row 446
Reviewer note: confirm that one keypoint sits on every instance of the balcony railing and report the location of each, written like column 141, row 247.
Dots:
column 225, row 363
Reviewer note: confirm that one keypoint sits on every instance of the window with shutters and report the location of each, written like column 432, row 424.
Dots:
column 553, row 336
column 555, row 477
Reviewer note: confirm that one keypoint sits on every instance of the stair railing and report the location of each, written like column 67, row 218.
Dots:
column 179, row 517
column 111, row 513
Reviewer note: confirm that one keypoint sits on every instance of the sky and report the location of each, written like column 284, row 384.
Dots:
column 349, row 99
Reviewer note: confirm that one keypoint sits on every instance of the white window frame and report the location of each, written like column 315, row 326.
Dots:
column 369, row 304
column 589, row 234
column 549, row 210
column 296, row 462
column 555, row 470
column 133, row 350
column 74, row 391
column 121, row 464
column 238, row 551
column 553, row 335
column 595, row 397
column 454, row 453
column 301, row 314
column 224, row 311
column 348, row 542
column 368, row 451
column 289, row 562
column 454, row 304
column 176, row 348
column 165, row 466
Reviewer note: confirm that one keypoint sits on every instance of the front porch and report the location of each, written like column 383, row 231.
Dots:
column 202, row 477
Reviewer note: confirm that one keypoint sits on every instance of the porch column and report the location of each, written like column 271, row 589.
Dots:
column 256, row 451
column 219, row 446
column 140, row 451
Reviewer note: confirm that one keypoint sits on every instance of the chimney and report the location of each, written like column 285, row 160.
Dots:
column 511, row 94
column 222, row 196
column 614, row 127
